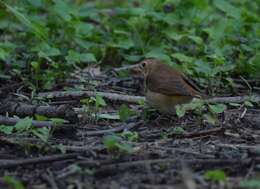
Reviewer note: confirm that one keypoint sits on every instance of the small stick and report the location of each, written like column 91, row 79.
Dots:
column 12, row 121
column 38, row 160
column 233, row 99
column 80, row 94
column 192, row 163
column 202, row 133
column 129, row 67
column 137, row 99
column 128, row 126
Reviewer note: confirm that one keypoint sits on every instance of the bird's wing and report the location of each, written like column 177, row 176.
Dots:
column 170, row 83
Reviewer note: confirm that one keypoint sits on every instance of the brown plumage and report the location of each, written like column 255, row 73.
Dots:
column 165, row 87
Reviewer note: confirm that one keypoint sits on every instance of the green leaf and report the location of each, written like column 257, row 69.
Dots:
column 6, row 129
column 43, row 133
column 217, row 108
column 124, row 44
column 75, row 57
column 62, row 9
column 130, row 136
column 87, row 57
column 182, row 57
column 3, row 54
column 111, row 141
column 12, row 182
column 124, row 112
column 159, row 54
column 210, row 118
column 125, row 148
column 99, row 101
column 58, row 121
column 180, row 111
column 226, row 7
column 35, row 28
column 250, row 184
column 215, row 175
column 23, row 124
column 249, row 104
column 178, row 131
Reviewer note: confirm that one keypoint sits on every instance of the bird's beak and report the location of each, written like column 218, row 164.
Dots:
column 136, row 68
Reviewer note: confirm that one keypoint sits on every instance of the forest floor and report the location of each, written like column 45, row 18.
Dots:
column 166, row 152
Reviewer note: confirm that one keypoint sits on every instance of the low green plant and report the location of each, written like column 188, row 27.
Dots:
column 250, row 184
column 215, row 175
column 130, row 136
column 116, row 145
column 124, row 112
column 12, row 182
column 206, row 111
column 173, row 131
column 24, row 126
column 212, row 41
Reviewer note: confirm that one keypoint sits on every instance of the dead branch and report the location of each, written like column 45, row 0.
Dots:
column 81, row 94
column 195, row 163
column 38, row 160
column 233, row 99
column 125, row 126
column 137, row 99
column 22, row 110
column 12, row 121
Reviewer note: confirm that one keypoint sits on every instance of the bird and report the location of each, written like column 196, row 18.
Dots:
column 166, row 87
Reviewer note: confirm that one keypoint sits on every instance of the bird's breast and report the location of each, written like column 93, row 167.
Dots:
column 165, row 103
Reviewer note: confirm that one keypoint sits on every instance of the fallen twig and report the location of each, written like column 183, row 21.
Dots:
column 195, row 163
column 137, row 99
column 125, row 126
column 38, row 160
column 21, row 109
column 80, row 94
column 12, row 121
column 202, row 133
column 233, row 99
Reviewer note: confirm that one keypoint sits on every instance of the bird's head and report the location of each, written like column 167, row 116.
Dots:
column 147, row 65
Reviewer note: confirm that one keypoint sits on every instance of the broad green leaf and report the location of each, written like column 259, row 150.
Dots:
column 215, row 175
column 75, row 57
column 23, row 124
column 210, row 118
column 124, row 44
column 182, row 57
column 87, row 57
column 159, row 54
column 248, row 103
column 3, row 54
column 125, row 148
column 111, row 141
column 35, row 28
column 43, row 133
column 124, row 112
column 250, row 184
column 130, row 136
column 217, row 108
column 6, row 129
column 12, row 182
column 58, row 121
column 180, row 111
column 178, row 131
column 226, row 7
column 99, row 101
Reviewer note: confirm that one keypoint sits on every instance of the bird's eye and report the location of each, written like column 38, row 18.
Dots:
column 143, row 64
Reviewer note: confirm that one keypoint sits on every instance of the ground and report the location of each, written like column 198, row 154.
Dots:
column 161, row 157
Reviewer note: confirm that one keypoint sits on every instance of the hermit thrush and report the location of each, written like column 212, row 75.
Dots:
column 166, row 87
